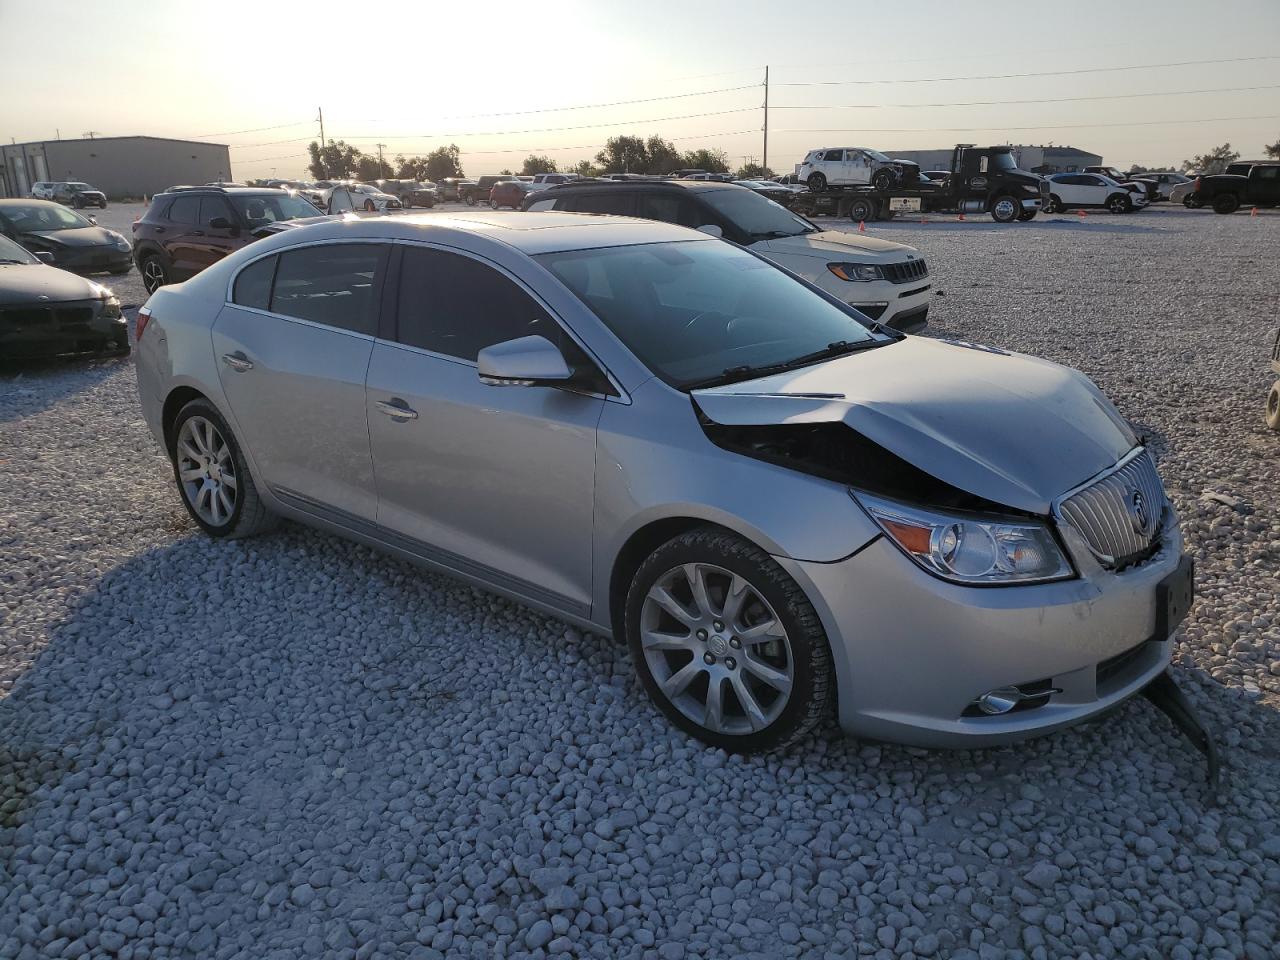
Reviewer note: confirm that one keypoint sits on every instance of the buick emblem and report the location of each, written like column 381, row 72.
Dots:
column 1139, row 512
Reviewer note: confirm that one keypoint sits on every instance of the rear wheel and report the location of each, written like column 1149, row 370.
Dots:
column 493, row 204
column 1226, row 203
column 727, row 644
column 154, row 273
column 817, row 182
column 1273, row 406
column 1191, row 202
column 213, row 477
column 1005, row 209
column 1119, row 203
column 471, row 200
column 862, row 208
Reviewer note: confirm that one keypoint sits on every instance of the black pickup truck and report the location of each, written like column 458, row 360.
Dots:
column 1259, row 186
column 478, row 192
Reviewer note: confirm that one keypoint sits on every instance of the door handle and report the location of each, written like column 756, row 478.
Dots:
column 397, row 409
column 197, row 233
column 237, row 361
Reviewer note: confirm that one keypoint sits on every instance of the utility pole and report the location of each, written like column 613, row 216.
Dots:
column 90, row 134
column 320, row 117
column 380, row 146
column 765, row 164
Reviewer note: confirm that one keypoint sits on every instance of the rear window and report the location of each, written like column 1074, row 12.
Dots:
column 334, row 283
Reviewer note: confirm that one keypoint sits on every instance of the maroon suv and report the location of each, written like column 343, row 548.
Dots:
column 508, row 193
column 188, row 228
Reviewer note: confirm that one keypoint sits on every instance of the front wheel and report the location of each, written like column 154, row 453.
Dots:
column 370, row 206
column 493, row 204
column 1119, row 203
column 1191, row 202
column 471, row 200
column 727, row 644
column 212, row 476
column 1226, row 203
column 1005, row 209
column 1273, row 406
column 883, row 180
column 817, row 182
column 1054, row 205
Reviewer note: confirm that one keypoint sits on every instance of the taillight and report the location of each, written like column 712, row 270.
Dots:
column 1196, row 188
column 143, row 316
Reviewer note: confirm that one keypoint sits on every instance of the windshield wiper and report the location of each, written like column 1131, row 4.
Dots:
column 10, row 260
column 748, row 372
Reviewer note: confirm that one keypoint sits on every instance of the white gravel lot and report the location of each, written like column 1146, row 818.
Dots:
column 297, row 747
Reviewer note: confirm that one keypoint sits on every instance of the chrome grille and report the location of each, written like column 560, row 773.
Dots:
column 1119, row 515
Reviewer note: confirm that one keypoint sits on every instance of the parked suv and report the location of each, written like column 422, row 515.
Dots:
column 848, row 166
column 42, row 190
column 478, row 192
column 188, row 228
column 887, row 281
column 410, row 193
column 79, row 195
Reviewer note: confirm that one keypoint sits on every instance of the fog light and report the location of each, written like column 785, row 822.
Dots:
column 1000, row 700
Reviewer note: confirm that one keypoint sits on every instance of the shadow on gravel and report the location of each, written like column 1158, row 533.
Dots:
column 1092, row 224
column 30, row 388
column 294, row 742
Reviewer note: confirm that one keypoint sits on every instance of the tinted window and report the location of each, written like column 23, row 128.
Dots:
column 184, row 210
column 457, row 306
column 211, row 207
column 253, row 285
column 692, row 309
column 1268, row 173
column 606, row 201
column 667, row 208
column 833, row 155
column 334, row 284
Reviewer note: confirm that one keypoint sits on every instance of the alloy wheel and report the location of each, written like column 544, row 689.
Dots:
column 716, row 649
column 207, row 471
column 153, row 277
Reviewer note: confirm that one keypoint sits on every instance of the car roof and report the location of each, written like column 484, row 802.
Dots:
column 531, row 233
column 693, row 186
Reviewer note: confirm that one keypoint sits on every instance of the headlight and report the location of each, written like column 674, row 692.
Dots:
column 111, row 306
column 122, row 242
column 855, row 271
column 967, row 549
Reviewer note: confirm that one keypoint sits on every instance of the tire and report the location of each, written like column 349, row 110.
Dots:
column 1226, row 203
column 1027, row 215
column 1120, row 203
column 154, row 272
column 796, row 656
column 1005, row 209
column 883, row 180
column 215, row 463
column 1273, row 406
column 862, row 209
column 817, row 182
column 406, row 202
column 1054, row 205
column 493, row 204
column 370, row 206
column 471, row 200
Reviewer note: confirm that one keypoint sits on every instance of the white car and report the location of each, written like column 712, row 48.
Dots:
column 1166, row 182
column 42, row 190
column 541, row 181
column 887, row 281
column 847, row 166
column 346, row 197
column 1072, row 191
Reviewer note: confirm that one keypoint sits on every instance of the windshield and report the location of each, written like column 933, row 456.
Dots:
column 692, row 309
column 32, row 218
column 78, row 187
column 877, row 156
column 755, row 215
column 268, row 208
column 1003, row 161
column 10, row 252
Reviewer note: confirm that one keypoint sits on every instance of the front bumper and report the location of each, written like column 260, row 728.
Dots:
column 903, row 306
column 913, row 652
column 61, row 329
column 93, row 259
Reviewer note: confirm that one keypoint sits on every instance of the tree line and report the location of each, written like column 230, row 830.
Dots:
column 339, row 160
column 1211, row 161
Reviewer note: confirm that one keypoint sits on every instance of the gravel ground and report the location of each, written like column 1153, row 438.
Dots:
column 297, row 747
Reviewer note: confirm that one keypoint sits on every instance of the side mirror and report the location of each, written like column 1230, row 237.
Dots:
column 524, row 362
column 94, row 221
column 45, row 257
column 711, row 230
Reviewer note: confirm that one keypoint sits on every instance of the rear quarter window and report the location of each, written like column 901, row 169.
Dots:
column 253, row 285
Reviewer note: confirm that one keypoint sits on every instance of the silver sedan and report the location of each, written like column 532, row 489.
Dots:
column 784, row 509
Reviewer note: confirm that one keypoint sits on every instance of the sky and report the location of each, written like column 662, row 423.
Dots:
column 529, row 78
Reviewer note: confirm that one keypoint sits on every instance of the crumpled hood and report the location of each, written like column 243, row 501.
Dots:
column 834, row 243
column 22, row 283
column 76, row 237
column 1007, row 427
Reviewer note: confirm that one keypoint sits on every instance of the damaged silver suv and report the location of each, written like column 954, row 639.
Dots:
column 782, row 507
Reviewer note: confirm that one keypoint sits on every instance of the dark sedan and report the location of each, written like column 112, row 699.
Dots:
column 47, row 312
column 74, row 241
column 79, row 195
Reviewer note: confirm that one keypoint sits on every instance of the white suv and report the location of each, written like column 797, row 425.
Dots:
column 42, row 190
column 847, row 166
column 543, row 180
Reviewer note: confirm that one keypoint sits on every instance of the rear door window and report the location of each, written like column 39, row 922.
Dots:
column 618, row 204
column 184, row 210
column 669, row 208
column 211, row 207
column 336, row 284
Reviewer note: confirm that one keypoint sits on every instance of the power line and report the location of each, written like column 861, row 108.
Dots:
column 232, row 133
column 1021, row 76
column 584, row 126
column 1066, row 126
column 994, row 103
column 593, row 106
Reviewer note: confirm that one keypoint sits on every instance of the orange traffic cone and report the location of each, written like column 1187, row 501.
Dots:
column 1253, row 212
column 1083, row 214
column 962, row 217
column 862, row 227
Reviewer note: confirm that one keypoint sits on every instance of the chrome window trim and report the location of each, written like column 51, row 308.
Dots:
column 303, row 322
